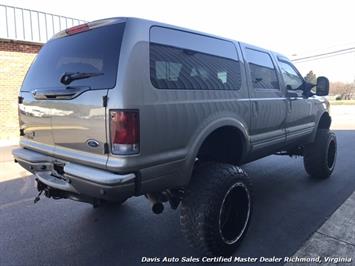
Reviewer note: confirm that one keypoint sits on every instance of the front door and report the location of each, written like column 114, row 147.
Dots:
column 300, row 120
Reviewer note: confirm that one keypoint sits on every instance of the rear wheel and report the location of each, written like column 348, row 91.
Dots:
column 320, row 156
column 216, row 208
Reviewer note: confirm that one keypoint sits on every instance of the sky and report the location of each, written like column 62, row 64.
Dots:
column 295, row 28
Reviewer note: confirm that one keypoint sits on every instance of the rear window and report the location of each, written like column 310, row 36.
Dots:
column 178, row 68
column 93, row 51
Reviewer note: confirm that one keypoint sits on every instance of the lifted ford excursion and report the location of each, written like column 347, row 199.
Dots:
column 126, row 107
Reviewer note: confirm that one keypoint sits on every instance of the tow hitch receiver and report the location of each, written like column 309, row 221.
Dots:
column 49, row 192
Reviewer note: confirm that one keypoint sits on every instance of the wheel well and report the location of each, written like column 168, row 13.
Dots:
column 325, row 121
column 225, row 145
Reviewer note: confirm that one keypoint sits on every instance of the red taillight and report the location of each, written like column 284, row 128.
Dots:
column 124, row 127
column 77, row 29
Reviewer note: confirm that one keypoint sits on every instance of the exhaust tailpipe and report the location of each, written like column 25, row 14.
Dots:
column 157, row 202
column 158, row 207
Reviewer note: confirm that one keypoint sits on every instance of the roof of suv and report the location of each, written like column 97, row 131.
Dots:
column 146, row 23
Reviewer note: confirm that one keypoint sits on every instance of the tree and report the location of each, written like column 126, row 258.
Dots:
column 342, row 91
column 311, row 77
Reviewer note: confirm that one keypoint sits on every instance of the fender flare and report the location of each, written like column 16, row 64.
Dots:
column 326, row 113
column 205, row 130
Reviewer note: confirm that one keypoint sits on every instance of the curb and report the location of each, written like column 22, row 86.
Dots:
column 334, row 242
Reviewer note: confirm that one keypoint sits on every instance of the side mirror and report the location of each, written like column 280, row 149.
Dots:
column 322, row 87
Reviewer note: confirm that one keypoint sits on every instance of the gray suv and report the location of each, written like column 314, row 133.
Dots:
column 126, row 107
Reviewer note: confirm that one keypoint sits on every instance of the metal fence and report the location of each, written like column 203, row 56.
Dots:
column 30, row 25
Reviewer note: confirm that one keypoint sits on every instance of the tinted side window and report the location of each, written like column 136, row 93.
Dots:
column 290, row 76
column 178, row 68
column 262, row 70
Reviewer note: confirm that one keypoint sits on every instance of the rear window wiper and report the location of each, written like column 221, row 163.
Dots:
column 69, row 77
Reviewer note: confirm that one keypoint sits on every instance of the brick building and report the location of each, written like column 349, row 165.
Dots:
column 15, row 59
column 22, row 33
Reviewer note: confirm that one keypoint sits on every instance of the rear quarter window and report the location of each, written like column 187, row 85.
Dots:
column 184, row 60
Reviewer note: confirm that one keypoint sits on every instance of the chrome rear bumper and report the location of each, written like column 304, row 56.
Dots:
column 75, row 178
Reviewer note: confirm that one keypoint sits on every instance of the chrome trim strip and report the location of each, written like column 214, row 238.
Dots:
column 96, row 175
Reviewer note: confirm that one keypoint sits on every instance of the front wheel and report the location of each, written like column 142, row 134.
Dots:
column 216, row 208
column 320, row 156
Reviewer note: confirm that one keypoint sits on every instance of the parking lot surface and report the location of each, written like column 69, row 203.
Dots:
column 289, row 208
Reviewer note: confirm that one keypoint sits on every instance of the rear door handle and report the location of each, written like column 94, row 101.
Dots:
column 255, row 108
column 59, row 94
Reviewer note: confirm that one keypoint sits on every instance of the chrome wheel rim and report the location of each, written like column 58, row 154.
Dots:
column 234, row 213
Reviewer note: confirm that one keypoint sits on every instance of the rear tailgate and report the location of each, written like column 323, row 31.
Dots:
column 64, row 93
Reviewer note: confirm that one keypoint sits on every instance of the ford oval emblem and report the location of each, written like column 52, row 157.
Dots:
column 93, row 143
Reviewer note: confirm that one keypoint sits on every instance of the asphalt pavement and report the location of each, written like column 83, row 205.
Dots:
column 289, row 207
column 334, row 242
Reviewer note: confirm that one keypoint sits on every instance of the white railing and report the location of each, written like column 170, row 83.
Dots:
column 30, row 25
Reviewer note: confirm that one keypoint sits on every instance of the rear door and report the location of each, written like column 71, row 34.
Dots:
column 269, row 105
column 35, row 122
column 70, row 79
